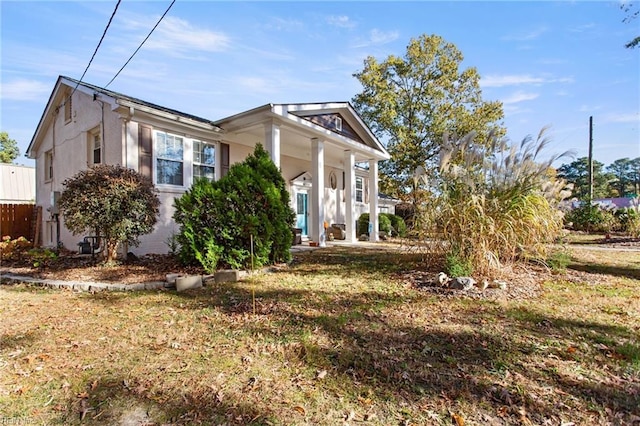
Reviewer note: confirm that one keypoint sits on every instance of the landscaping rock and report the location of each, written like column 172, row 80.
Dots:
column 502, row 285
column 441, row 279
column 462, row 283
column 227, row 276
column 188, row 282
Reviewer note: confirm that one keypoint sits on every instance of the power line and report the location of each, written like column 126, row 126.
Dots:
column 143, row 42
column 97, row 47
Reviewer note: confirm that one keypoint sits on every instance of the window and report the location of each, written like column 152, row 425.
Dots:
column 169, row 159
column 67, row 106
column 359, row 189
column 48, row 165
column 95, row 147
column 204, row 160
column 339, row 124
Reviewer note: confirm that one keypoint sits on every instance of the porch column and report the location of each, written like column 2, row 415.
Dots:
column 349, row 195
column 317, row 191
column 272, row 141
column 373, row 199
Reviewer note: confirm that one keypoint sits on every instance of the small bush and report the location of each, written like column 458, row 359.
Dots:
column 13, row 249
column 628, row 221
column 42, row 257
column 384, row 224
column 590, row 218
column 398, row 225
column 559, row 260
column 456, row 266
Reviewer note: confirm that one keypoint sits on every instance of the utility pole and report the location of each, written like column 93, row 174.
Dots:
column 590, row 159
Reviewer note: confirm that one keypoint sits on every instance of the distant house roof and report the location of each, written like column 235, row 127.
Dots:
column 18, row 184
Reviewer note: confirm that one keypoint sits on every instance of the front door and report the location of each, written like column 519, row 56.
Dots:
column 301, row 212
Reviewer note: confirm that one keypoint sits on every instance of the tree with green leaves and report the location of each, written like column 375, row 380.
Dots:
column 622, row 171
column 577, row 173
column 410, row 102
column 8, row 148
column 113, row 202
column 632, row 12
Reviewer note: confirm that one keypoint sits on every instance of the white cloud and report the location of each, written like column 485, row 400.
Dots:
column 526, row 36
column 341, row 21
column 589, row 108
column 519, row 79
column 281, row 24
column 25, row 90
column 519, row 97
column 377, row 37
column 175, row 35
column 632, row 117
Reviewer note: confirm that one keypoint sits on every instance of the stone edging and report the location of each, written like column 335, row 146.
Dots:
column 85, row 286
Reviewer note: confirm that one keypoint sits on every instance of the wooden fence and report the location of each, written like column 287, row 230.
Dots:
column 17, row 220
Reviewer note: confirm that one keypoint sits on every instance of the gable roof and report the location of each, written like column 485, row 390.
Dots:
column 114, row 98
column 314, row 117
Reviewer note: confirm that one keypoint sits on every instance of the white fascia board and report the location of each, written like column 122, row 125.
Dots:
column 174, row 118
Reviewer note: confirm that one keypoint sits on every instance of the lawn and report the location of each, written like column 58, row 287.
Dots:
column 338, row 337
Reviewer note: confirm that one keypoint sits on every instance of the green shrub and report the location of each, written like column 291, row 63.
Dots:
column 220, row 220
column 398, row 225
column 628, row 221
column 384, row 224
column 457, row 266
column 590, row 218
column 41, row 257
column 559, row 260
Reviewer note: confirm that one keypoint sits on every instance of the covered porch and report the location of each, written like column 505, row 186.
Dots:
column 317, row 148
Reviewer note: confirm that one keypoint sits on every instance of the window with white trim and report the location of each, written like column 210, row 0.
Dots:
column 359, row 189
column 68, row 107
column 48, row 165
column 95, row 146
column 204, row 160
column 169, row 159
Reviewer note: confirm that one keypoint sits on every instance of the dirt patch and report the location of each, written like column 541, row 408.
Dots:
column 72, row 267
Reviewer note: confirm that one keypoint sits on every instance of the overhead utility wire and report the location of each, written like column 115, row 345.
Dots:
column 143, row 42
column 97, row 47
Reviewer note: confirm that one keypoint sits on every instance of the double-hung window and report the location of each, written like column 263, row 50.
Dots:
column 204, row 159
column 48, row 165
column 359, row 189
column 169, row 159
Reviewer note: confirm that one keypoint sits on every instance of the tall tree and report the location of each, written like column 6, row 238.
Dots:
column 622, row 171
column 632, row 12
column 8, row 148
column 410, row 102
column 577, row 173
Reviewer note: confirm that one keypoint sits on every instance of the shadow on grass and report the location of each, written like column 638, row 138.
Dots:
column 373, row 353
column 597, row 268
column 122, row 400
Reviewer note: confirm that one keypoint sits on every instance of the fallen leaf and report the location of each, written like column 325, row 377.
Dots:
column 300, row 409
column 350, row 416
column 321, row 375
column 571, row 349
column 458, row 419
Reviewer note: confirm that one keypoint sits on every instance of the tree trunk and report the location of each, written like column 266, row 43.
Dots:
column 111, row 251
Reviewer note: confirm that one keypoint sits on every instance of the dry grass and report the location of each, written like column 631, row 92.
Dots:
column 337, row 337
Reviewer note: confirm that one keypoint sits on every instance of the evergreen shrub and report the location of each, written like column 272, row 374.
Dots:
column 218, row 219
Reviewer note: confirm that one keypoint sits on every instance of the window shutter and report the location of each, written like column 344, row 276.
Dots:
column 145, row 148
column 224, row 159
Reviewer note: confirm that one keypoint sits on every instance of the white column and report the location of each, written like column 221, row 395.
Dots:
column 272, row 142
column 373, row 199
column 349, row 194
column 317, row 191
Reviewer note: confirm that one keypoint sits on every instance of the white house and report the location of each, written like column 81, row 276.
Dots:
column 316, row 146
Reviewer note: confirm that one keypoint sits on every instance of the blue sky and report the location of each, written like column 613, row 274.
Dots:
column 550, row 63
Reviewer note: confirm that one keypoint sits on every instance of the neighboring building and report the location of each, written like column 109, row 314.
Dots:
column 17, row 184
column 83, row 125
